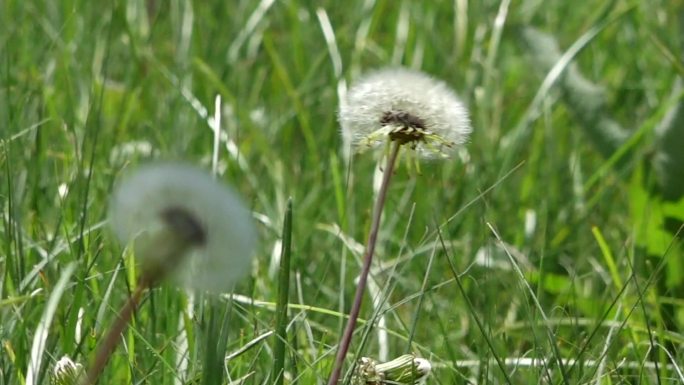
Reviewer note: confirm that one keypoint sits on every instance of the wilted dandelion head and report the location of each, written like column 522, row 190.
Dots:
column 184, row 224
column 404, row 106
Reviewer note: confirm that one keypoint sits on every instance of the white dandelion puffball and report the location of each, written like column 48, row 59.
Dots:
column 406, row 106
column 184, row 224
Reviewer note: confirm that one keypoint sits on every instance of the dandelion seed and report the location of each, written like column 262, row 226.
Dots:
column 404, row 106
column 125, row 151
column 62, row 190
column 185, row 225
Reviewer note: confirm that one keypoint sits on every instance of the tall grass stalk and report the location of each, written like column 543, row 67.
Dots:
column 283, row 298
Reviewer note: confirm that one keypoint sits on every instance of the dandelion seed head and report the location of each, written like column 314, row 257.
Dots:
column 406, row 106
column 184, row 224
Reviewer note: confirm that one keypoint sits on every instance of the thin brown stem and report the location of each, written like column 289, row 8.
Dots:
column 345, row 341
column 112, row 339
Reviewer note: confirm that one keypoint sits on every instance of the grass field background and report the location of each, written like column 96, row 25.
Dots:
column 547, row 247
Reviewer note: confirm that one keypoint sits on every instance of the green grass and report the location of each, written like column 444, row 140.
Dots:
column 592, row 293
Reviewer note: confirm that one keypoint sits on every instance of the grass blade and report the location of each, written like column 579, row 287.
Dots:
column 43, row 329
column 283, row 295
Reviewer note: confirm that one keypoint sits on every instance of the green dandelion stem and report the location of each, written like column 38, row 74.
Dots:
column 112, row 339
column 345, row 341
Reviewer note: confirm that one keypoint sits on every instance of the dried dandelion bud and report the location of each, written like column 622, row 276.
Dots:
column 66, row 372
column 403, row 370
column 366, row 373
column 404, row 106
column 185, row 225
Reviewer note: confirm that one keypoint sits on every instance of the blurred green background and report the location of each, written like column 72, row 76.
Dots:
column 561, row 218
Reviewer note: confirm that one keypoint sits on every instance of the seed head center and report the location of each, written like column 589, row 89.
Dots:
column 408, row 128
column 185, row 225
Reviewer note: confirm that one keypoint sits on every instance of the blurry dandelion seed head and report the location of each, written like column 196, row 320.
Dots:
column 184, row 224
column 404, row 106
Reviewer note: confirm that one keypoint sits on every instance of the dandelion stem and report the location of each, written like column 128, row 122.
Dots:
column 345, row 341
column 112, row 339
